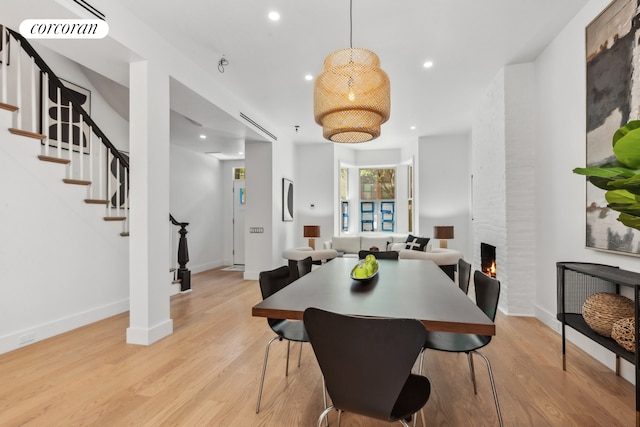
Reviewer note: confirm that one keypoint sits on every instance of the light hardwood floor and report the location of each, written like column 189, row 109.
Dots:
column 207, row 372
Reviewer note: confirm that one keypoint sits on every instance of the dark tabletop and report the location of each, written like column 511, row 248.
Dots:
column 406, row 288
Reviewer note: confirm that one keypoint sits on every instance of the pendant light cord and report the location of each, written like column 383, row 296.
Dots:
column 351, row 24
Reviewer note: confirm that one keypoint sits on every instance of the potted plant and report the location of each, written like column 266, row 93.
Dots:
column 621, row 178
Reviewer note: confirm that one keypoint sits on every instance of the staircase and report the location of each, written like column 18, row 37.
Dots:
column 46, row 110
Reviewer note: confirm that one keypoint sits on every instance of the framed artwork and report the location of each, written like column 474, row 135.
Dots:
column 118, row 181
column 69, row 120
column 287, row 199
column 611, row 101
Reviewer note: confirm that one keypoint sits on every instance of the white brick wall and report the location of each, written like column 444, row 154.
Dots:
column 503, row 154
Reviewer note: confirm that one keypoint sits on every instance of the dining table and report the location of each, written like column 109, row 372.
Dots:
column 404, row 288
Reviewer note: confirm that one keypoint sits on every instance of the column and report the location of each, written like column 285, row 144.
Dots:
column 149, row 278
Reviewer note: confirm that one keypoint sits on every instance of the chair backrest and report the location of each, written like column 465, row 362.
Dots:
column 464, row 275
column 379, row 254
column 271, row 282
column 365, row 361
column 304, row 266
column 487, row 293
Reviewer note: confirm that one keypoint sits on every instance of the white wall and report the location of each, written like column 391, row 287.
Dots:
column 62, row 265
column 197, row 198
column 314, row 186
column 443, row 179
column 560, row 194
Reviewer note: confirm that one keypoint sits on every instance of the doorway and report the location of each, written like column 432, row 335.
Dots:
column 239, row 205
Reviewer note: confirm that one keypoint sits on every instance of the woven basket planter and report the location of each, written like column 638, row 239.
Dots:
column 601, row 310
column 623, row 332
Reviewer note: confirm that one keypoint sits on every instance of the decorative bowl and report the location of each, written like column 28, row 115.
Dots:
column 368, row 274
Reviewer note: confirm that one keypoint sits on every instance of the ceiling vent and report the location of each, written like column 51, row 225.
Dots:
column 92, row 10
column 254, row 123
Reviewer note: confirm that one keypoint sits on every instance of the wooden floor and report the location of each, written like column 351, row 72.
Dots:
column 207, row 374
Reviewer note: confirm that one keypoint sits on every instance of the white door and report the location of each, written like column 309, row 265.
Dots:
column 239, row 204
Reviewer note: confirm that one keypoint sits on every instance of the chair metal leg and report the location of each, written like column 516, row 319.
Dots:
column 493, row 386
column 300, row 354
column 286, row 371
column 264, row 369
column 324, row 414
column 473, row 373
column 420, row 365
column 339, row 416
column 404, row 423
column 324, row 399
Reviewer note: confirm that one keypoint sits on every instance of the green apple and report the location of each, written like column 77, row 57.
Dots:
column 360, row 272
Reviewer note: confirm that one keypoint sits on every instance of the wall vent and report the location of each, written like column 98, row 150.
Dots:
column 92, row 10
column 254, row 123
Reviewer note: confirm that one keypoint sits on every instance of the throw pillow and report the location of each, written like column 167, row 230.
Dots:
column 416, row 243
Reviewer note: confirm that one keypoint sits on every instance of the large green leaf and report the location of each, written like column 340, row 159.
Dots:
column 629, row 220
column 602, row 172
column 626, row 148
column 620, row 197
column 624, row 130
column 631, row 184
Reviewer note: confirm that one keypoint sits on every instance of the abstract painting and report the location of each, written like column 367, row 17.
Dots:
column 612, row 100
column 287, row 199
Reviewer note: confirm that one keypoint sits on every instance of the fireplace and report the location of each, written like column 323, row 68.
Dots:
column 488, row 259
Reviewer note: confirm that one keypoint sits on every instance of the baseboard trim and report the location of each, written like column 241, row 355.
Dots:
column 56, row 327
column 147, row 336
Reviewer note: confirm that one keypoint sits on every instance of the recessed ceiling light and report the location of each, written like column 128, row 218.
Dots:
column 240, row 153
column 203, row 136
column 412, row 128
column 428, row 64
column 308, row 77
column 274, row 16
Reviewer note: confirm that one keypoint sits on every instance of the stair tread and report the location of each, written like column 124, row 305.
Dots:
column 125, row 234
column 76, row 181
column 8, row 107
column 96, row 201
column 115, row 218
column 54, row 159
column 28, row 134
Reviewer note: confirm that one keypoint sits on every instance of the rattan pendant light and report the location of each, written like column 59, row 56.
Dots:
column 351, row 95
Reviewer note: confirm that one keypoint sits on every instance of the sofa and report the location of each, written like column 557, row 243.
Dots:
column 349, row 246
column 318, row 256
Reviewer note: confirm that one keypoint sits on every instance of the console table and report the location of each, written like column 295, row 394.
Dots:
column 578, row 280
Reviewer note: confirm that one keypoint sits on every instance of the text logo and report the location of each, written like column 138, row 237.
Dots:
column 64, row 28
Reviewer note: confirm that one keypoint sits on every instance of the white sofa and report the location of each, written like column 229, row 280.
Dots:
column 349, row 246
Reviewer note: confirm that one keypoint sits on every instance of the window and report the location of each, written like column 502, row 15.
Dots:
column 377, row 184
column 238, row 173
column 344, row 184
column 379, row 187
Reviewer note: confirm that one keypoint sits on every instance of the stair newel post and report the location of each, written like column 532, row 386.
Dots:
column 184, row 275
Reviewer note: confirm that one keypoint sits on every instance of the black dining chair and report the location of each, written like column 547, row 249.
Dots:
column 366, row 363
column 271, row 282
column 487, row 295
column 379, row 254
column 464, row 275
column 304, row 266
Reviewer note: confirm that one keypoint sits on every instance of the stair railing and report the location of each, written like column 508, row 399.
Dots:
column 49, row 110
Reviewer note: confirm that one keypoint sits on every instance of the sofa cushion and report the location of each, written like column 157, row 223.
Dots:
column 367, row 242
column 396, row 246
column 347, row 244
column 416, row 243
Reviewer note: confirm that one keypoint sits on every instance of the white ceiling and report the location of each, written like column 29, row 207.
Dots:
column 468, row 40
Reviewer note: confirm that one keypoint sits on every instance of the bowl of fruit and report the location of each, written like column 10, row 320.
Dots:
column 365, row 269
